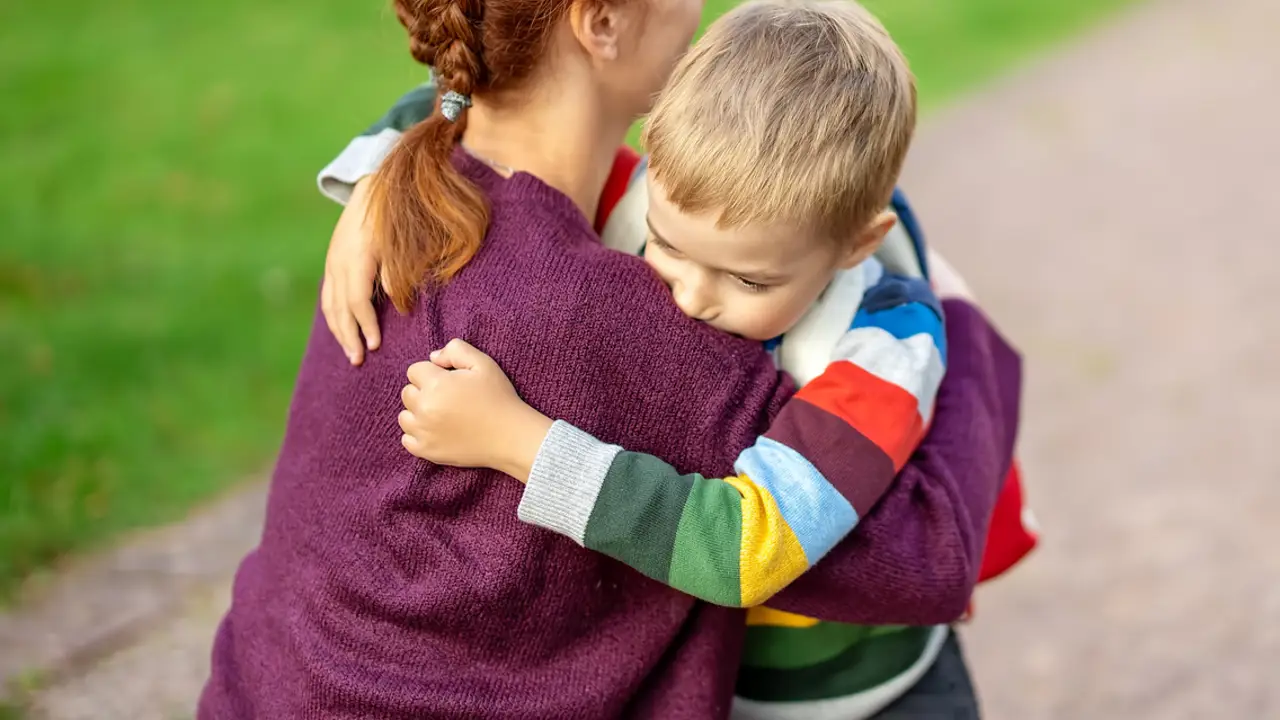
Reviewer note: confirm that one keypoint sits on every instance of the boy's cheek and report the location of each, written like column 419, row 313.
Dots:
column 762, row 319
column 655, row 265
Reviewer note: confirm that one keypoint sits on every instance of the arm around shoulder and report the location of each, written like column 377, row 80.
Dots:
column 915, row 558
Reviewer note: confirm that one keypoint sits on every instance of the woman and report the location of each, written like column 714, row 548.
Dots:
column 384, row 587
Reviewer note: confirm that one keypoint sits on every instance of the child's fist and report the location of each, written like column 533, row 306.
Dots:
column 461, row 410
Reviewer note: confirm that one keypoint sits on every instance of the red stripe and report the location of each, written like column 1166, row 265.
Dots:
column 887, row 414
column 624, row 166
column 1008, row 540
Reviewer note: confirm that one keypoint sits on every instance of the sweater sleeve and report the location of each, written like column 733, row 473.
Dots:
column 798, row 490
column 362, row 156
column 915, row 558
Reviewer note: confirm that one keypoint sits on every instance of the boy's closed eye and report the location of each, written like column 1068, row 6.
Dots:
column 751, row 286
column 655, row 241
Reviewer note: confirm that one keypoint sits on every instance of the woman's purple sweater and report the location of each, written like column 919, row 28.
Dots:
column 388, row 587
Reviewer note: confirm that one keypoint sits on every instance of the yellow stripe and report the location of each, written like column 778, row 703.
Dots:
column 771, row 554
column 777, row 618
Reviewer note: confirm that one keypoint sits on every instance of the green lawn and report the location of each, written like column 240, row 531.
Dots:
column 162, row 237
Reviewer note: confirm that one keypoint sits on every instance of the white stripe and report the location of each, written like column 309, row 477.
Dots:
column 898, row 253
column 626, row 229
column 913, row 364
column 806, row 348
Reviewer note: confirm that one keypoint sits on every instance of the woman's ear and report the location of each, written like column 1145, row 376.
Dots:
column 597, row 26
column 868, row 240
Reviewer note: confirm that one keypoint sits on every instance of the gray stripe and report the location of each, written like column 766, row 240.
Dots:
column 565, row 481
column 360, row 158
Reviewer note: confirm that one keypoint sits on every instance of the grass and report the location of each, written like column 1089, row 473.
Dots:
column 163, row 239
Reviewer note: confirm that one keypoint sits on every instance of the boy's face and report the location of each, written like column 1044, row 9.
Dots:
column 755, row 281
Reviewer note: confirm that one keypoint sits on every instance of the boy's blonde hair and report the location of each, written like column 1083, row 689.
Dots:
column 796, row 111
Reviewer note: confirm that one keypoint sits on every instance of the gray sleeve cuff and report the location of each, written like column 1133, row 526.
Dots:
column 360, row 158
column 565, row 481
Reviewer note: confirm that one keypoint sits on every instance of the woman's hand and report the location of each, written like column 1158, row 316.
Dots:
column 461, row 410
column 350, row 269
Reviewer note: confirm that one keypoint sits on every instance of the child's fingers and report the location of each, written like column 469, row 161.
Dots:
column 408, row 394
column 367, row 319
column 336, row 316
column 360, row 302
column 459, row 355
column 326, row 307
column 350, row 334
column 423, row 374
column 410, row 443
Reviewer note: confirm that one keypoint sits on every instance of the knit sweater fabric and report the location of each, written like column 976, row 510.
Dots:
column 385, row 586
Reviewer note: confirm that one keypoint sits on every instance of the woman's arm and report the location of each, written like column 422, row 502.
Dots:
column 732, row 541
column 940, row 506
column 800, row 488
column 362, row 156
column 350, row 269
column 915, row 559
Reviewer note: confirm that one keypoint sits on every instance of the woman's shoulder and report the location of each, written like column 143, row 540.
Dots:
column 553, row 267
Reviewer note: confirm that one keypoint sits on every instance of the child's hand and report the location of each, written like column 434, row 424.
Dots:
column 461, row 410
column 346, row 297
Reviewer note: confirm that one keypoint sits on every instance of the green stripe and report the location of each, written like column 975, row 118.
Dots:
column 708, row 553
column 878, row 657
column 412, row 108
column 772, row 646
column 637, row 513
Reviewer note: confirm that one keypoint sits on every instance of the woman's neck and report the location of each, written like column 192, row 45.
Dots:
column 567, row 141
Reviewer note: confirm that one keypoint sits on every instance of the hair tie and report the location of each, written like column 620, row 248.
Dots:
column 452, row 105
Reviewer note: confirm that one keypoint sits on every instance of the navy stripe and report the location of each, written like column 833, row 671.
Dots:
column 894, row 290
column 907, row 217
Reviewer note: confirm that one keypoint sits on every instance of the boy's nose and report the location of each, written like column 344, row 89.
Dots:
column 694, row 300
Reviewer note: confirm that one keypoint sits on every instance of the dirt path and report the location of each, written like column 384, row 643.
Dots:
column 1115, row 208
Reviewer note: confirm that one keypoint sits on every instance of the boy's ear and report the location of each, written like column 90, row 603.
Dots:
column 868, row 240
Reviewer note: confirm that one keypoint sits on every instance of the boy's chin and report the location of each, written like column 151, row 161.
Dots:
column 753, row 336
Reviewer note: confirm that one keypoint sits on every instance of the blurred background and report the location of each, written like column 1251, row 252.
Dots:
column 1101, row 170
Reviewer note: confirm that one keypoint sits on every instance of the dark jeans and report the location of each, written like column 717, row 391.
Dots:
column 944, row 693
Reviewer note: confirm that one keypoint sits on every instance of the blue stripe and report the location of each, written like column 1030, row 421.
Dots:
column 906, row 321
column 814, row 510
column 640, row 168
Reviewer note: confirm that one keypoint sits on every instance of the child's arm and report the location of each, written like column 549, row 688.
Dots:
column 350, row 269
column 362, row 156
column 828, row 457
column 916, row 558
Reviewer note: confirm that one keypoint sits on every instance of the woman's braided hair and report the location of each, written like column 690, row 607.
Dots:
column 428, row 220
